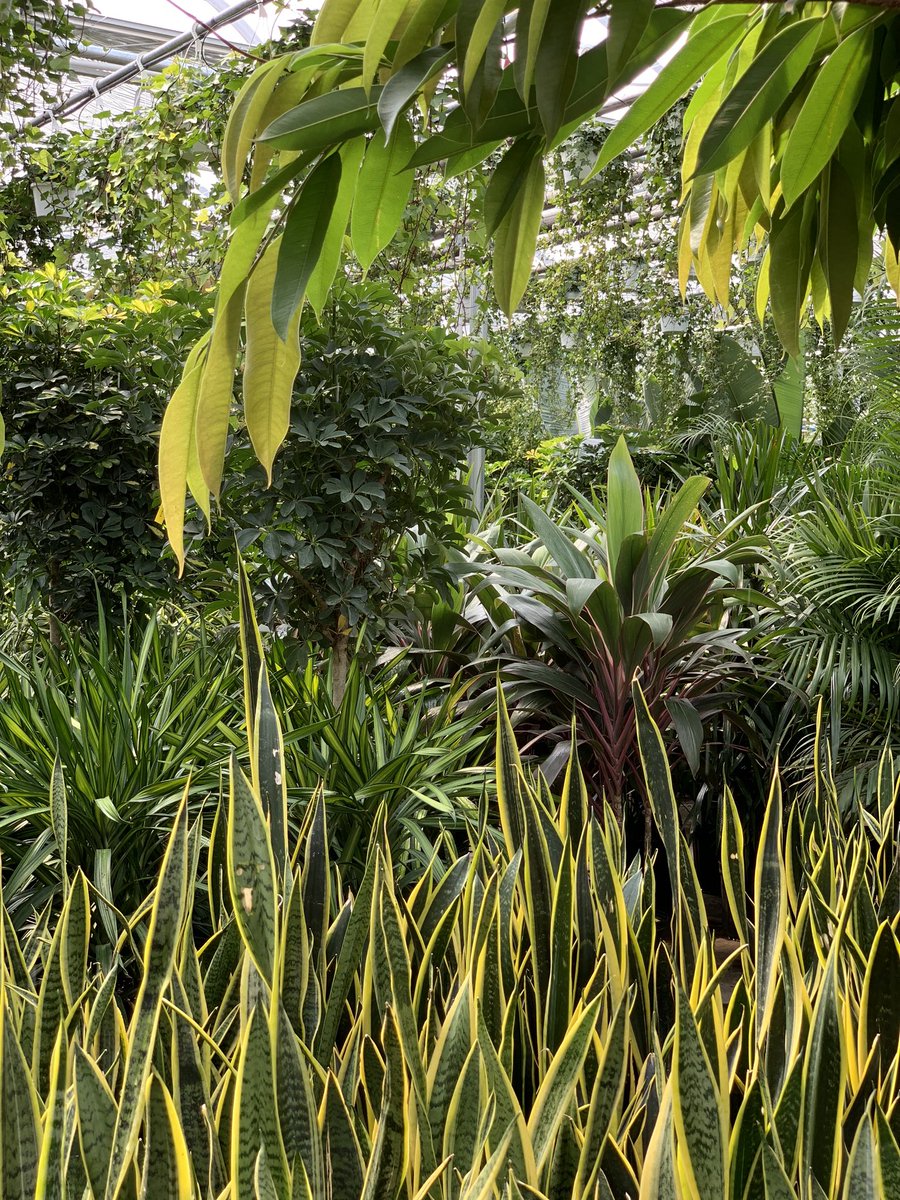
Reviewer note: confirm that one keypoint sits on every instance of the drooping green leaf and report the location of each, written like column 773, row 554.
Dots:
column 382, row 191
column 691, row 62
column 302, row 241
column 323, row 121
column 758, row 94
column 826, row 112
column 516, row 239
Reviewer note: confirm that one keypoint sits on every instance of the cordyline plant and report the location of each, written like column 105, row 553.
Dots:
column 518, row 1026
column 610, row 592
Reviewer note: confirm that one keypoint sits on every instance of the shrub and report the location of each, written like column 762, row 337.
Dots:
column 83, row 385
column 120, row 723
column 380, row 425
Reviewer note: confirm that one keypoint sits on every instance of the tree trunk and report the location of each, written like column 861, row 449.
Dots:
column 340, row 660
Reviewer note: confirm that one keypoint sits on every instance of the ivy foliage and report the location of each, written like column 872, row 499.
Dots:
column 35, row 39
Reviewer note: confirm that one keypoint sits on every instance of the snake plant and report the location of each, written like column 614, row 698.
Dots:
column 523, row 1024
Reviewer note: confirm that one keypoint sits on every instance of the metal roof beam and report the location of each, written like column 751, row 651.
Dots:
column 198, row 32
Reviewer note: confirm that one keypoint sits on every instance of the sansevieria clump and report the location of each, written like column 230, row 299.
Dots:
column 520, row 1024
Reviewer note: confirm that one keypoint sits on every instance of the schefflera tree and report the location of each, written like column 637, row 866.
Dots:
column 368, row 490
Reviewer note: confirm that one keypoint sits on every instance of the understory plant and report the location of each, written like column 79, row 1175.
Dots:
column 518, row 1024
column 634, row 586
column 114, row 725
column 392, row 746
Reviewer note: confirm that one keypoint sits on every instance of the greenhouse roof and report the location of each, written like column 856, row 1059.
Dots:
column 116, row 50
column 122, row 39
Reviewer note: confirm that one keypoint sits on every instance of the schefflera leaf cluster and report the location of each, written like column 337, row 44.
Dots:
column 523, row 1023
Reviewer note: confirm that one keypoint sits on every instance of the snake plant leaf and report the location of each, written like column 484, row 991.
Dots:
column 59, row 818
column 348, row 962
column 388, row 1162
column 558, row 1087
column 19, row 1114
column 559, row 990
column 658, row 1178
column 297, row 1115
column 448, row 1061
column 255, row 1121
column 732, row 860
column 293, row 967
column 509, row 780
column 75, row 920
column 167, row 1164
column 166, row 920
column 607, row 1090
column 189, row 1085
column 863, row 1175
column 824, row 1075
column 50, row 1181
column 252, row 653
column 888, row 1154
column 771, row 907
column 263, row 1184
column 341, row 1145
column 252, row 874
column 745, row 1149
column 776, row 1182
column 315, row 876
column 96, row 1109
column 697, row 1108
column 268, row 772
column 659, row 785
column 507, row 1111
column 880, row 1003
column 462, row 1140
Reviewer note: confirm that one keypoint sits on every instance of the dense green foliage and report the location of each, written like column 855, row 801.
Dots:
column 514, row 1024
column 544, row 849
column 367, row 492
column 84, row 378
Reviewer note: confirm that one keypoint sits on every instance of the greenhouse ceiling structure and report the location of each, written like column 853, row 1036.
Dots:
column 116, row 51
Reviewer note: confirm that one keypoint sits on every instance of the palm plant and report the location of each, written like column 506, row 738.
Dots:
column 120, row 722
column 634, row 588
column 837, row 576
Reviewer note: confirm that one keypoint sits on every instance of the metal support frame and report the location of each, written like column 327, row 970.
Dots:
column 198, row 32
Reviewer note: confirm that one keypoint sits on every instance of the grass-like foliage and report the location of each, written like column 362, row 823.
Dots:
column 522, row 1023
